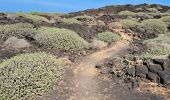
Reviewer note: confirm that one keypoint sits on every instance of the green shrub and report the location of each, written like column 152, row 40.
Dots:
column 115, row 25
column 166, row 19
column 156, row 51
column 157, row 46
column 84, row 18
column 139, row 9
column 148, row 13
column 19, row 30
column 71, row 21
column 28, row 75
column 127, row 13
column 155, row 26
column 108, row 37
column 168, row 11
column 160, row 40
column 63, row 39
column 152, row 10
column 35, row 18
column 128, row 24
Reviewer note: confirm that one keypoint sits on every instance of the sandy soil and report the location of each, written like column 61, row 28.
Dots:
column 83, row 83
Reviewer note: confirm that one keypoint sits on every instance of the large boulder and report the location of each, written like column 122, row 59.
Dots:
column 15, row 43
column 141, row 71
column 155, row 68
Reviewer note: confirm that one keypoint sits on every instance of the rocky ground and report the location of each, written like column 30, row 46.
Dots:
column 103, row 71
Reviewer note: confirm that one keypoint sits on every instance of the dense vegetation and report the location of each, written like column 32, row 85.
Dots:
column 20, row 30
column 62, row 39
column 129, row 24
column 108, row 37
column 28, row 75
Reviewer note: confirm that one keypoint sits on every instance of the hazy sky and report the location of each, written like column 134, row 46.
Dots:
column 65, row 6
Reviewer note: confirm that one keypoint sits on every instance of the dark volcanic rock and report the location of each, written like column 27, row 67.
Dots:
column 131, row 71
column 166, row 65
column 155, row 68
column 165, row 78
column 105, row 70
column 141, row 71
column 154, row 77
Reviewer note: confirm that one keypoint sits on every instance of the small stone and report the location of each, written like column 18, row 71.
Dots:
column 153, row 77
column 105, row 70
column 166, row 64
column 141, row 71
column 131, row 71
column 165, row 78
column 155, row 68
column 16, row 43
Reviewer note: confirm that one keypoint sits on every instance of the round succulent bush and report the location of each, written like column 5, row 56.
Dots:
column 19, row 30
column 108, row 37
column 115, row 25
column 71, row 21
column 166, row 19
column 28, row 75
column 129, row 13
column 35, row 18
column 62, row 39
column 128, row 24
column 154, row 26
column 84, row 18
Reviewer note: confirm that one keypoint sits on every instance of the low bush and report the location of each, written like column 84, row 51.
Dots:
column 62, row 39
column 166, row 19
column 98, row 44
column 156, row 51
column 28, row 75
column 71, row 21
column 19, row 30
column 152, row 10
column 37, row 19
column 153, row 26
column 157, row 46
column 84, row 18
column 115, row 25
column 108, row 37
column 160, row 40
column 129, row 24
column 129, row 13
column 16, row 43
column 168, row 11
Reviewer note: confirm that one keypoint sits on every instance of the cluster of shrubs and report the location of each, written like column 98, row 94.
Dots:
column 35, row 18
column 25, row 76
column 129, row 13
column 129, row 24
column 156, row 52
column 158, row 46
column 161, row 39
column 71, row 21
column 166, row 19
column 108, row 37
column 20, row 30
column 149, row 27
column 154, row 26
column 62, row 39
column 84, row 18
column 78, row 19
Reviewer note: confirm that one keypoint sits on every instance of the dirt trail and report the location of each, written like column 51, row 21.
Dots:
column 82, row 81
column 86, row 80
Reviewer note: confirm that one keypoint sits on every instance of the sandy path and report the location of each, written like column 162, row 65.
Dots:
column 85, row 74
column 82, row 81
